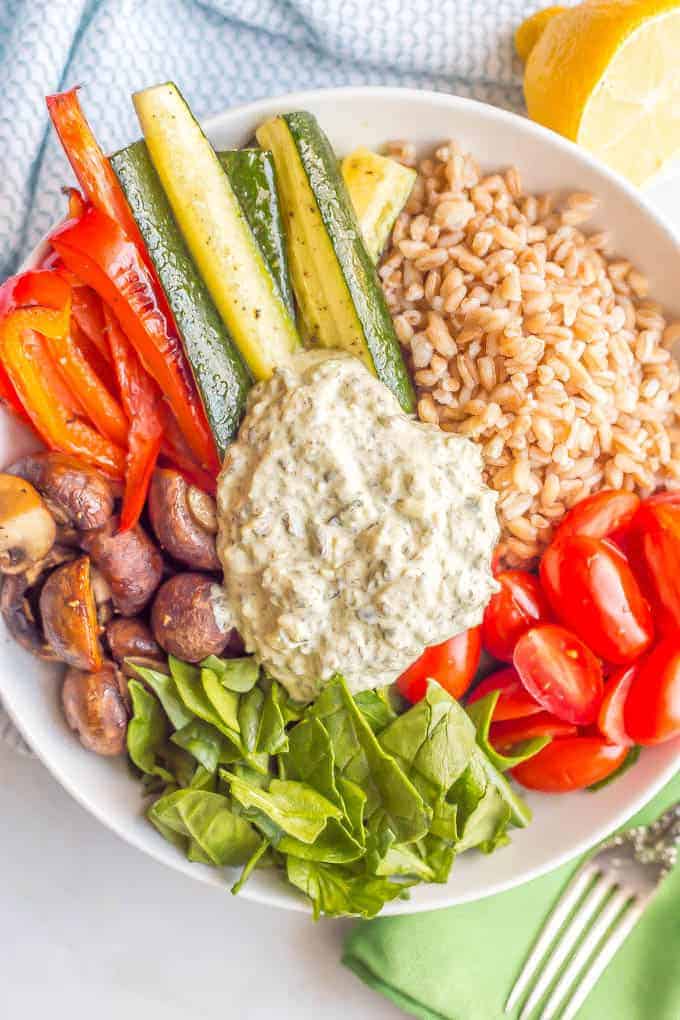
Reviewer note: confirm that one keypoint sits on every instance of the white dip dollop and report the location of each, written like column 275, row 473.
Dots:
column 351, row 536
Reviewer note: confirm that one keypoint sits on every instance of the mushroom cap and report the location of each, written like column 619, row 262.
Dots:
column 76, row 493
column 183, row 620
column 94, row 706
column 27, row 528
column 178, row 514
column 130, row 562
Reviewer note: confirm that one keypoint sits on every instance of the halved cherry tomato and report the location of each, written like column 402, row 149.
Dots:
column 593, row 591
column 652, row 709
column 507, row 734
column 570, row 763
column 452, row 664
column 519, row 604
column 561, row 673
column 599, row 515
column 514, row 700
column 610, row 720
column 657, row 529
column 666, row 496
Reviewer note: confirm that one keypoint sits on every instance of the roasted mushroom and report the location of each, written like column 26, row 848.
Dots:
column 75, row 493
column 129, row 637
column 19, row 603
column 183, row 619
column 95, row 707
column 27, row 528
column 182, row 518
column 68, row 613
column 129, row 561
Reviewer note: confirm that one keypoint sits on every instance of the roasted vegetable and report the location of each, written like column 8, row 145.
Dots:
column 95, row 707
column 337, row 290
column 75, row 493
column 216, row 231
column 218, row 367
column 378, row 188
column 176, row 527
column 68, row 613
column 183, row 618
column 129, row 561
column 27, row 528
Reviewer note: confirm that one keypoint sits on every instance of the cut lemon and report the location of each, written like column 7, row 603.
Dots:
column 606, row 74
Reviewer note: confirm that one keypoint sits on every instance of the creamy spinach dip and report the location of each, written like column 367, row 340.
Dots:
column 351, row 536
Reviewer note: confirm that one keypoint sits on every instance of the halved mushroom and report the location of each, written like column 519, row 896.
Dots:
column 19, row 603
column 27, row 528
column 183, row 618
column 130, row 562
column 95, row 707
column 179, row 513
column 129, row 637
column 69, row 615
column 75, row 493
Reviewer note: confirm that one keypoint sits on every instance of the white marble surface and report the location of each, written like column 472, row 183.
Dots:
column 91, row 927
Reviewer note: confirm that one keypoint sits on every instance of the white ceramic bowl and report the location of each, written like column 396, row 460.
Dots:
column 563, row 826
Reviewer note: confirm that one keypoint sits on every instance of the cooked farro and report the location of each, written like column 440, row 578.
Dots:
column 526, row 334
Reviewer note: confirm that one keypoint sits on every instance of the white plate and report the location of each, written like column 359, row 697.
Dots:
column 563, row 826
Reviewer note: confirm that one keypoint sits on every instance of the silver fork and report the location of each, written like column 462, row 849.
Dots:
column 611, row 891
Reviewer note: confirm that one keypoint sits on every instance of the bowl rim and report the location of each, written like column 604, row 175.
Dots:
column 269, row 106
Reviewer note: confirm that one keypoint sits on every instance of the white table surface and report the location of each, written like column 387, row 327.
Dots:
column 90, row 927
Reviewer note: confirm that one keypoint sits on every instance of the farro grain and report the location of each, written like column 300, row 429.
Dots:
column 525, row 333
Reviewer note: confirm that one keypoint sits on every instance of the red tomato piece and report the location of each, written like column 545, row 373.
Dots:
column 610, row 720
column 593, row 591
column 666, row 496
column 514, row 700
column 657, row 529
column 652, row 708
column 560, row 672
column 599, row 515
column 506, row 734
column 570, row 763
column 519, row 605
column 452, row 664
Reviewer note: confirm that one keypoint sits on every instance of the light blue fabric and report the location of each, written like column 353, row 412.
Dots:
column 221, row 53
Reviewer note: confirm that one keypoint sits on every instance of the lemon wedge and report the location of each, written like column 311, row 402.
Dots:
column 606, row 74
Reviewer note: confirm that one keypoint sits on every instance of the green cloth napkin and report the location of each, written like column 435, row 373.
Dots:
column 460, row 963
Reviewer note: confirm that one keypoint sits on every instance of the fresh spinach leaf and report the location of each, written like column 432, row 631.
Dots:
column 404, row 859
column 360, row 758
column 208, row 746
column 239, row 675
column 224, row 701
column 261, row 721
column 147, row 732
column 434, row 742
column 166, row 691
column 190, row 689
column 310, row 759
column 296, row 808
column 203, row 779
column 336, row 892
column 207, row 819
column 481, row 713
column 253, row 862
column 376, row 708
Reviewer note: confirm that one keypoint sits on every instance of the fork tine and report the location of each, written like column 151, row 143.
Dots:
column 590, row 943
column 553, row 924
column 602, row 959
column 566, row 941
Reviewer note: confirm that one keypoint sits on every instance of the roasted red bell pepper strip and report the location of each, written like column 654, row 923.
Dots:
column 99, row 405
column 33, row 306
column 143, row 404
column 76, row 203
column 176, row 454
column 86, row 309
column 91, row 167
column 98, row 252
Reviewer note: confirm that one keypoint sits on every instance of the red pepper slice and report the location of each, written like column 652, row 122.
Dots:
column 93, row 171
column 35, row 305
column 176, row 454
column 99, row 253
column 99, row 405
column 86, row 309
column 143, row 404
